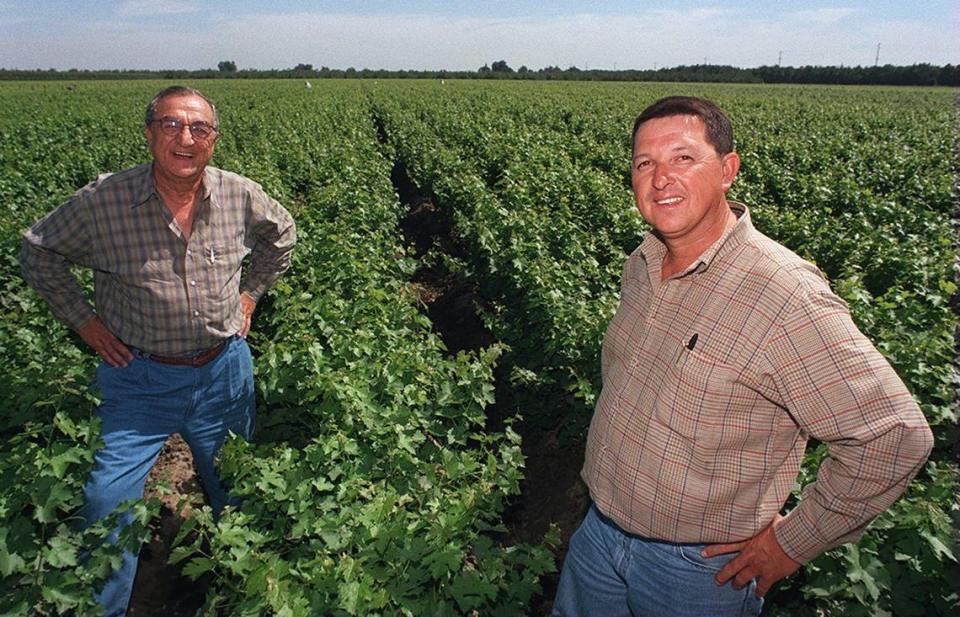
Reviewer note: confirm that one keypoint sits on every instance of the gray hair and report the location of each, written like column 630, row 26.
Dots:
column 179, row 91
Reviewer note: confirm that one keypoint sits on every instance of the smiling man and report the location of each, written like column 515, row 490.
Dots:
column 165, row 241
column 726, row 353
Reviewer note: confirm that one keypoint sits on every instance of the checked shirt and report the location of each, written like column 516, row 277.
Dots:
column 154, row 289
column 713, row 381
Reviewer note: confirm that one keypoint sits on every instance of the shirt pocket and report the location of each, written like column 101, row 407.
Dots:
column 694, row 401
column 146, row 267
column 158, row 265
column 724, row 427
column 222, row 261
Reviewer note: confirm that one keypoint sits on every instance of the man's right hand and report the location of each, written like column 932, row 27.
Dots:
column 95, row 334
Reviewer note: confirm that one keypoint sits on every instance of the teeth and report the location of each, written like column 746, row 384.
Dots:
column 668, row 201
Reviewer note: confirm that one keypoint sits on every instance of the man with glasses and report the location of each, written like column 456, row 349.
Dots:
column 165, row 241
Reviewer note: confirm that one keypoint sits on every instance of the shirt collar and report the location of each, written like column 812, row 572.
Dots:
column 147, row 188
column 653, row 249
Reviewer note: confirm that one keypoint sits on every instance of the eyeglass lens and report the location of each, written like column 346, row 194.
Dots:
column 172, row 126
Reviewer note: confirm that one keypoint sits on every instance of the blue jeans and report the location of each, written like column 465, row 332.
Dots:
column 610, row 573
column 143, row 404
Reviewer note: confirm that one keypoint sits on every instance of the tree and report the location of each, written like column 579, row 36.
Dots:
column 483, row 69
column 501, row 66
column 303, row 67
column 227, row 66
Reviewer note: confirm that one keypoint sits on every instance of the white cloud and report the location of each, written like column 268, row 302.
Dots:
column 643, row 39
column 425, row 41
column 146, row 8
column 822, row 16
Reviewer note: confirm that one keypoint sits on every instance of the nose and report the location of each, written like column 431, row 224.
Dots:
column 662, row 177
column 185, row 129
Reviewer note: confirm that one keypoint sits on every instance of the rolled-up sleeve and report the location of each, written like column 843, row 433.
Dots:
column 49, row 248
column 274, row 234
column 841, row 391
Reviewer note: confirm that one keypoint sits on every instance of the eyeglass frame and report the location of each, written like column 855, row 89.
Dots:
column 167, row 123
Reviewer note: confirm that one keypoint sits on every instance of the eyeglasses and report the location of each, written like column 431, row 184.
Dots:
column 198, row 130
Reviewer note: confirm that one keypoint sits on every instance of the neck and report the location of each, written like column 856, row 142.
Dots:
column 680, row 254
column 180, row 191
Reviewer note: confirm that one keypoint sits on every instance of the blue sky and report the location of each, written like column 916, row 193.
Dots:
column 453, row 34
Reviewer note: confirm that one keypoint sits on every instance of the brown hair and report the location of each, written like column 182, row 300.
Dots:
column 719, row 128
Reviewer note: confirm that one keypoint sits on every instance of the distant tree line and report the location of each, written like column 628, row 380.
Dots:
column 890, row 75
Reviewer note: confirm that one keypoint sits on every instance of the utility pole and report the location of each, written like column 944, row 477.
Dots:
column 780, row 57
column 876, row 61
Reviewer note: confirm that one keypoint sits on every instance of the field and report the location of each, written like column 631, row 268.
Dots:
column 427, row 369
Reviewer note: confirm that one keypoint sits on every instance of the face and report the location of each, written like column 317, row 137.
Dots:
column 680, row 182
column 180, row 158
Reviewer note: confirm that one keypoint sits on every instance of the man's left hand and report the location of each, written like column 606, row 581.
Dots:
column 247, row 306
column 760, row 557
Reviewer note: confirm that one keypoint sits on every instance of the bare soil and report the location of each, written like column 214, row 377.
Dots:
column 159, row 589
column 552, row 492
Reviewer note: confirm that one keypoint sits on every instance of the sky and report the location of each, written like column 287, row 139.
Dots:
column 460, row 35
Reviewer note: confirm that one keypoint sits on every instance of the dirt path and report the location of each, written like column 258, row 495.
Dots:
column 159, row 590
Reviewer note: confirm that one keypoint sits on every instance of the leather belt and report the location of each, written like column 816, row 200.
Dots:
column 195, row 361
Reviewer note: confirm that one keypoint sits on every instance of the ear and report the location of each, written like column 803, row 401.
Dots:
column 729, row 166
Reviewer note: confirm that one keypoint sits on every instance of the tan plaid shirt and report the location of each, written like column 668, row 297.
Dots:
column 154, row 290
column 712, row 382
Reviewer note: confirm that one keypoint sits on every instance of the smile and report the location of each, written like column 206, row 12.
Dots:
column 668, row 201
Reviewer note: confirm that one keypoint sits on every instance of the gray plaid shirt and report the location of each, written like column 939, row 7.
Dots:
column 155, row 290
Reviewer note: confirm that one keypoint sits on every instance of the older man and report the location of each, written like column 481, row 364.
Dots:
column 727, row 351
column 165, row 241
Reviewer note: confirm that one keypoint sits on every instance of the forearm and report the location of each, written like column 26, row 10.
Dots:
column 854, row 485
column 256, row 283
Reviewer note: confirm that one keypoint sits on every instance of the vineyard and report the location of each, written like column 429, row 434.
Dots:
column 427, row 369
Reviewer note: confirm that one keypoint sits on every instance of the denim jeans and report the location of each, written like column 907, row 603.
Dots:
column 143, row 404
column 608, row 572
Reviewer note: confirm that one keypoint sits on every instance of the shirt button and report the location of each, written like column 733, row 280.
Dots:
column 189, row 252
column 193, row 283
column 196, row 313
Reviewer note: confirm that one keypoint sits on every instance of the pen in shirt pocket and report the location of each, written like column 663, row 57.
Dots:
column 686, row 348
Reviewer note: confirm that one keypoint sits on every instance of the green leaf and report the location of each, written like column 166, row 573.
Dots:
column 59, row 463
column 939, row 548
column 470, row 591
column 197, row 567
column 64, row 591
column 60, row 552
column 9, row 562
column 349, row 594
column 441, row 563
column 49, row 497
